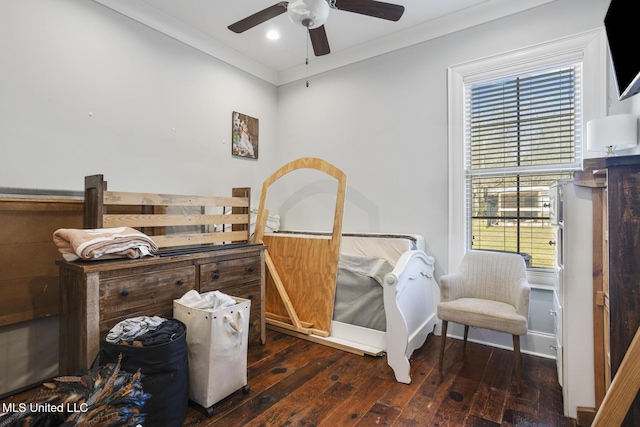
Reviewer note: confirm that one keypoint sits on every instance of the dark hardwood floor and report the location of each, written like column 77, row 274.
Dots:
column 298, row 383
column 295, row 382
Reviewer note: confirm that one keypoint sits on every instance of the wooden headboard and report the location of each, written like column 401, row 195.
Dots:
column 207, row 220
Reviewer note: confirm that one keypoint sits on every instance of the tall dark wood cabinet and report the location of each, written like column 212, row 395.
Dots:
column 622, row 224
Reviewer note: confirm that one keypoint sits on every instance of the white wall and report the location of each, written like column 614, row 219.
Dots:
column 384, row 122
column 86, row 90
column 614, row 106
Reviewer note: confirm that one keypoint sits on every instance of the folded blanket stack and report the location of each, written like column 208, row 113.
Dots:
column 103, row 243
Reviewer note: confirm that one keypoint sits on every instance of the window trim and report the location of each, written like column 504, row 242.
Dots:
column 588, row 47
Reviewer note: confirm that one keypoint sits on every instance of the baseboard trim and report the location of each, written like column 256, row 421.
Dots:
column 534, row 342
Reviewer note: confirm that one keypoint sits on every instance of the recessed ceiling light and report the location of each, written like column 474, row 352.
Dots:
column 273, row 35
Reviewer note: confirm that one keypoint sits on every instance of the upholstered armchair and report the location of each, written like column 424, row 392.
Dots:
column 489, row 291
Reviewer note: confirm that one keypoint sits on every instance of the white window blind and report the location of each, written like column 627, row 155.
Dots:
column 521, row 134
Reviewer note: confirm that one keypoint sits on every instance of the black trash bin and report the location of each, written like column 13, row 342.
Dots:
column 165, row 370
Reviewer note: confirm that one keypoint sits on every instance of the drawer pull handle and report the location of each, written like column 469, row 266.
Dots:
column 250, row 269
column 216, row 276
column 180, row 282
column 124, row 293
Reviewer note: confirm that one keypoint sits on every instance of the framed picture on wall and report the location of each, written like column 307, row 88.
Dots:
column 244, row 136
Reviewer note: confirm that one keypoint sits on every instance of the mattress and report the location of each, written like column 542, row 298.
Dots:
column 358, row 299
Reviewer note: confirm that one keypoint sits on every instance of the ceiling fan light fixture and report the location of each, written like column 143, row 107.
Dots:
column 308, row 13
column 273, row 35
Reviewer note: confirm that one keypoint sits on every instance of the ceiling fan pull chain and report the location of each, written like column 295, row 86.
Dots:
column 306, row 62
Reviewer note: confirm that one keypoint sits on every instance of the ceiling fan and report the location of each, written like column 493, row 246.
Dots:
column 312, row 14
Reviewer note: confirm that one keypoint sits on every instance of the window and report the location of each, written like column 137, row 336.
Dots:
column 521, row 135
column 515, row 125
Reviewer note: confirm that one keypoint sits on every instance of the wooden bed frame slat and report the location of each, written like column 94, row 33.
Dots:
column 161, row 220
column 151, row 199
column 182, row 239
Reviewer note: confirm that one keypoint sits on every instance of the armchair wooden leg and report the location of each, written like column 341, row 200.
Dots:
column 443, row 341
column 466, row 334
column 516, row 355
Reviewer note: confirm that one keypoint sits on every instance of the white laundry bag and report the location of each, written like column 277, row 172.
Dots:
column 217, row 344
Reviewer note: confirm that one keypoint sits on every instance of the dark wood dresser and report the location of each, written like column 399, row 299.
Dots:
column 95, row 295
column 619, row 265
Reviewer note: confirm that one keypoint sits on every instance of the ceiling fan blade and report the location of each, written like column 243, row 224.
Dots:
column 259, row 17
column 377, row 9
column 319, row 41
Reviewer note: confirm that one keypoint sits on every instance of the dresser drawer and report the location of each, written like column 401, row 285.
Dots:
column 238, row 279
column 216, row 275
column 246, row 290
column 153, row 291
